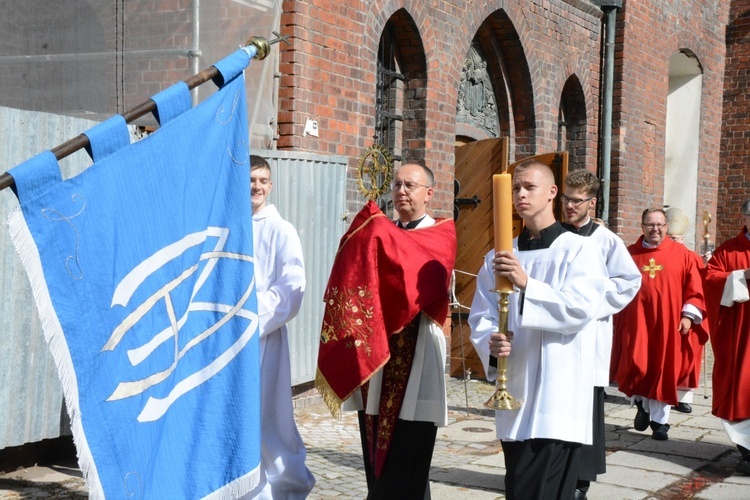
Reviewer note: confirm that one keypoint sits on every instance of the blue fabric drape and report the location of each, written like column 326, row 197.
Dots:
column 142, row 271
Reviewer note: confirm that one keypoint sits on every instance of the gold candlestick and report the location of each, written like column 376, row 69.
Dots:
column 706, row 247
column 502, row 399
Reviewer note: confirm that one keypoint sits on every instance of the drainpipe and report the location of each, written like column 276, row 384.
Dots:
column 610, row 8
column 195, row 51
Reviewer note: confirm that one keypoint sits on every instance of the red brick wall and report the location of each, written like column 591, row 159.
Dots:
column 329, row 72
column 168, row 25
column 648, row 33
column 157, row 24
column 734, row 171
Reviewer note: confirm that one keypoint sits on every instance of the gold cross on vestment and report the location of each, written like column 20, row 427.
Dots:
column 652, row 267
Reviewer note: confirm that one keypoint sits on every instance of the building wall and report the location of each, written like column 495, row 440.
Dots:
column 734, row 172
column 329, row 72
column 648, row 33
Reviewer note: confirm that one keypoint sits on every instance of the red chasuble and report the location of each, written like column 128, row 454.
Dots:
column 730, row 333
column 382, row 278
column 649, row 355
column 692, row 372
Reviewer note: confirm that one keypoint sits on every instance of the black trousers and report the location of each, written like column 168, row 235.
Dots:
column 594, row 456
column 541, row 469
column 406, row 471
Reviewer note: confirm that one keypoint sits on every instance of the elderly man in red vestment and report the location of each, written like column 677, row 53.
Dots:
column 382, row 347
column 727, row 278
column 677, row 225
column 651, row 334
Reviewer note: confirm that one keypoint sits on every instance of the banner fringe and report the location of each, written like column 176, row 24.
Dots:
column 237, row 488
column 53, row 334
column 329, row 396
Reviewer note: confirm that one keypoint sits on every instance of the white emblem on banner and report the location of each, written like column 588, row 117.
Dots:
column 155, row 408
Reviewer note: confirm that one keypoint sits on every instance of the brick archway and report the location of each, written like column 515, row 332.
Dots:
column 400, row 40
column 572, row 131
column 511, row 78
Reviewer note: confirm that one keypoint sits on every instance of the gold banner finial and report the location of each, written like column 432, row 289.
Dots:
column 264, row 46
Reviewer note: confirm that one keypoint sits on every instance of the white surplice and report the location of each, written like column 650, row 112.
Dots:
column 551, row 363
column 624, row 283
column 280, row 284
column 425, row 398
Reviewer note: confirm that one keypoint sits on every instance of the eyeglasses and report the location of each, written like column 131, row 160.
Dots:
column 408, row 186
column 654, row 226
column 574, row 201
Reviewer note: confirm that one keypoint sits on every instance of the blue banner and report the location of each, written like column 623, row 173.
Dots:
column 142, row 270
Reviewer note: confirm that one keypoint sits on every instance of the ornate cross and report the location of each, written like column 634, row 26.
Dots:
column 652, row 267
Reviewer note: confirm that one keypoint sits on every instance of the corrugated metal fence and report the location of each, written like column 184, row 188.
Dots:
column 31, row 407
column 309, row 191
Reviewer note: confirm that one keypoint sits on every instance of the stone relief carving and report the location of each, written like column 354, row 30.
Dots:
column 476, row 99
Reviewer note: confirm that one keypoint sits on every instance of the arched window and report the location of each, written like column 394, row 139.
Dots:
column 571, row 131
column 401, row 92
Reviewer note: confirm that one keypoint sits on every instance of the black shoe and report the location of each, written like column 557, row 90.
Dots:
column 641, row 420
column 580, row 495
column 743, row 467
column 683, row 408
column 660, row 431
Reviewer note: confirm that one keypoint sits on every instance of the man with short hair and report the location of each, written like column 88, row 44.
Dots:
column 727, row 278
column 382, row 345
column 280, row 285
column 561, row 281
column 578, row 199
column 651, row 333
column 412, row 188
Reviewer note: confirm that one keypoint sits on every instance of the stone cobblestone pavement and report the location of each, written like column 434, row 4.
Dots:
column 697, row 461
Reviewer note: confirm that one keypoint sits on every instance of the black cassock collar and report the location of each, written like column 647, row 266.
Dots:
column 546, row 237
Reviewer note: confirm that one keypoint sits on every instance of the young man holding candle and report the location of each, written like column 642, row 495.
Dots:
column 560, row 282
column 578, row 200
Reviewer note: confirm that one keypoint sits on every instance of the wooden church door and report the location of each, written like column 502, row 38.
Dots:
column 476, row 163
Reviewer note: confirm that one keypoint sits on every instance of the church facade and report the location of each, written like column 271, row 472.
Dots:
column 424, row 77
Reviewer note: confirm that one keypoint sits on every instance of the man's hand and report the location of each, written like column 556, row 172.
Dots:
column 506, row 264
column 685, row 325
column 500, row 344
